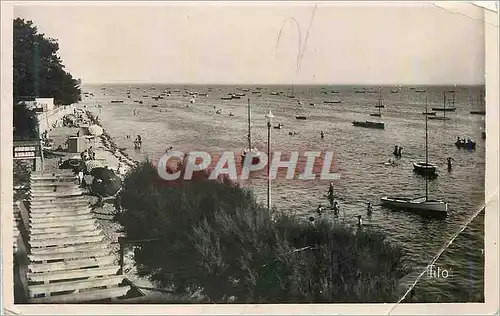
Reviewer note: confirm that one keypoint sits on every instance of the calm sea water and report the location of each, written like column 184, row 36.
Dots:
column 359, row 156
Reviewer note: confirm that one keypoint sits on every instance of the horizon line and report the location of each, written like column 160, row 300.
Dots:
column 282, row 84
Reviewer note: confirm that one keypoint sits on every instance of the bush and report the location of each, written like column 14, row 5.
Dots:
column 216, row 238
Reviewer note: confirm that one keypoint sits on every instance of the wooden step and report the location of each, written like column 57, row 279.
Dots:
column 52, row 219
column 94, row 232
column 48, row 176
column 56, row 194
column 72, row 264
column 49, row 213
column 35, row 242
column 59, row 198
column 69, row 256
column 68, row 181
column 58, row 208
column 113, row 280
column 67, row 223
column 62, row 205
column 51, row 185
column 72, row 274
column 61, row 201
column 69, row 249
column 59, row 230
column 83, row 297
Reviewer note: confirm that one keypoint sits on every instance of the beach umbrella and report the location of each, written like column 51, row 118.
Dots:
column 106, row 188
column 95, row 130
column 102, row 173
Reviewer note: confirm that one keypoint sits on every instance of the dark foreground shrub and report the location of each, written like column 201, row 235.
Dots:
column 214, row 237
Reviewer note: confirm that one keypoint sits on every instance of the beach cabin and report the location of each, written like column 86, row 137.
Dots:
column 40, row 104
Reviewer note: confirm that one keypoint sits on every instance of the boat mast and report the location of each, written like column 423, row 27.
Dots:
column 426, row 153
column 249, row 129
column 379, row 101
column 444, row 105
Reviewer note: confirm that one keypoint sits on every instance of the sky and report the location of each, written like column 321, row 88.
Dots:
column 237, row 43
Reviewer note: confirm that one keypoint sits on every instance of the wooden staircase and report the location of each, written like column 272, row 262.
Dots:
column 69, row 262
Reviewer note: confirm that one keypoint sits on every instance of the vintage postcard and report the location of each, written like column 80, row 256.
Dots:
column 249, row 157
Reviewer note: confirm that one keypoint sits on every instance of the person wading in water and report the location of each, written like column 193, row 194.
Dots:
column 449, row 161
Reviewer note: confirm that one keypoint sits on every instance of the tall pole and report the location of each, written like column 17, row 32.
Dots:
column 269, row 165
column 269, row 123
column 249, row 128
column 426, row 153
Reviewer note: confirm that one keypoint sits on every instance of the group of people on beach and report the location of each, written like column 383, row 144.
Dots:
column 88, row 154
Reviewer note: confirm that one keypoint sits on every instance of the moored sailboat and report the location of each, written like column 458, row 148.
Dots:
column 250, row 151
column 443, row 109
column 425, row 168
column 422, row 205
column 379, row 106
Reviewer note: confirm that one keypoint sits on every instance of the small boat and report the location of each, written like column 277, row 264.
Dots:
column 482, row 103
column 116, row 101
column 419, row 90
column 154, row 106
column 420, row 204
column 483, row 135
column 394, row 91
column 140, row 102
column 466, row 145
column 239, row 94
column 369, row 124
column 360, row 91
column 379, row 106
column 333, row 91
column 332, row 102
column 274, row 93
column 250, row 151
column 444, row 109
column 429, row 113
column 226, row 98
column 279, row 126
column 301, row 117
column 439, row 118
column 311, row 104
column 425, row 168
column 235, row 97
